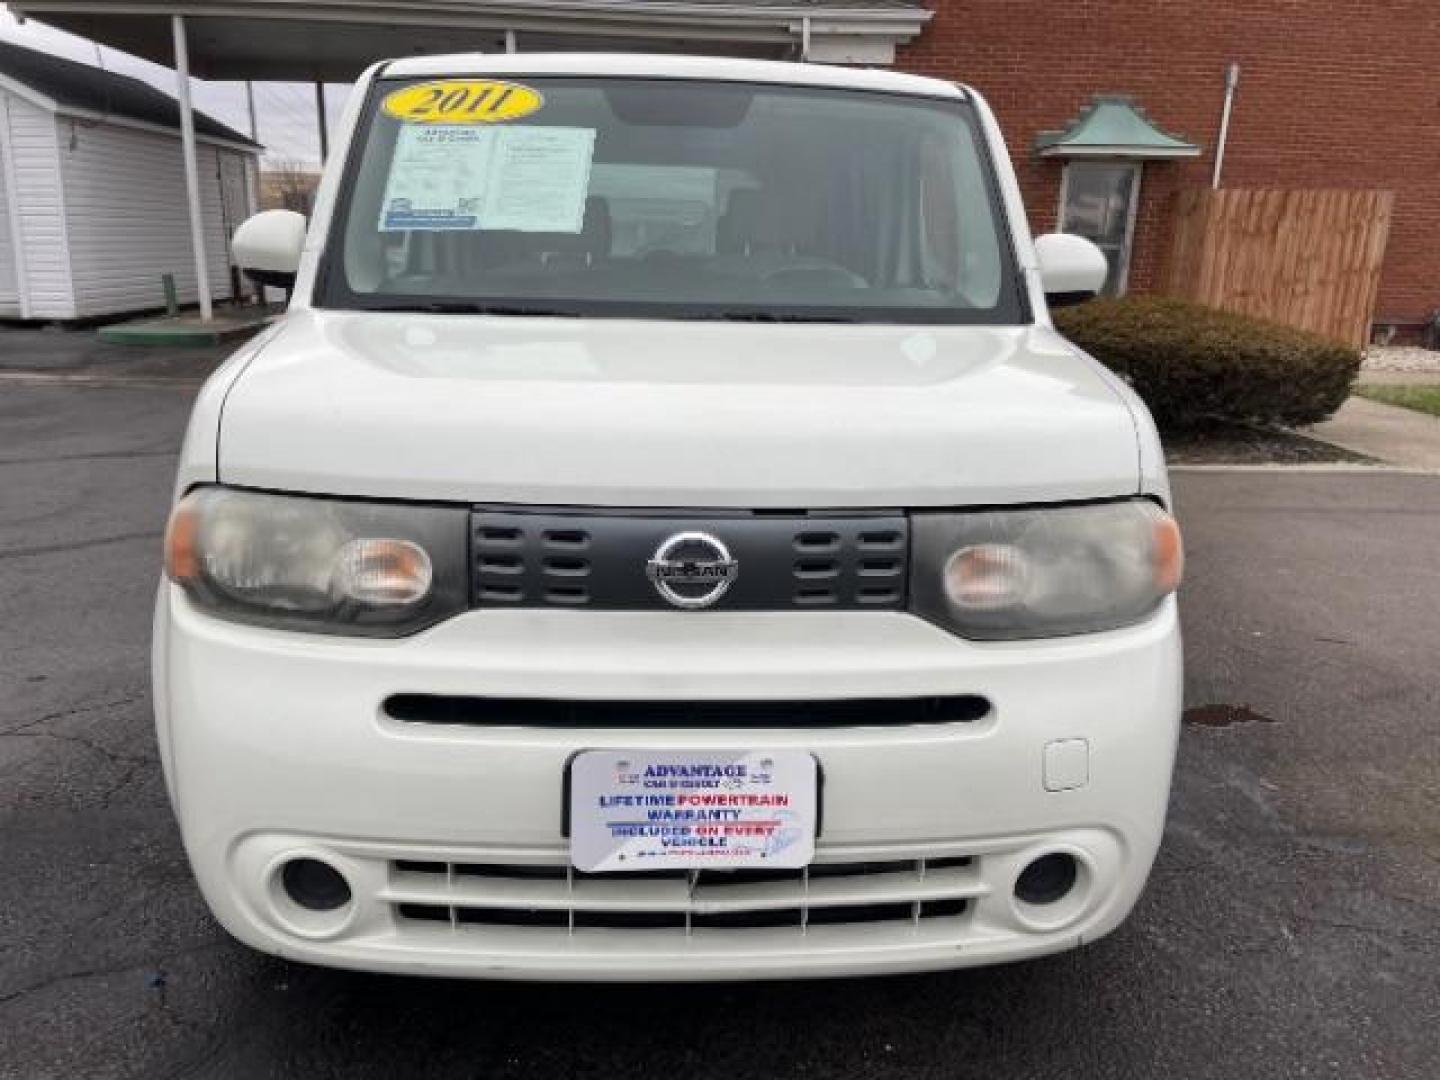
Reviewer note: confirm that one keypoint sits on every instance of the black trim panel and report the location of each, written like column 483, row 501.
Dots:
column 792, row 562
column 771, row 714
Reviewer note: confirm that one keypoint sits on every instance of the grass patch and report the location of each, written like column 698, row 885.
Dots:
column 1424, row 399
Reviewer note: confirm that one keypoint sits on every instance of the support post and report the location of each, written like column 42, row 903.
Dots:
column 192, row 171
column 510, row 43
column 250, row 104
column 324, row 126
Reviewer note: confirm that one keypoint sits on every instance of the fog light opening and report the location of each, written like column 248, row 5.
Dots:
column 314, row 885
column 1048, row 879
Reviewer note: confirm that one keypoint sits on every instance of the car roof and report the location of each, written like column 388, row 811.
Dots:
column 653, row 66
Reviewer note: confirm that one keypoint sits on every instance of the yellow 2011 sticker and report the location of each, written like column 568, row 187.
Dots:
column 462, row 101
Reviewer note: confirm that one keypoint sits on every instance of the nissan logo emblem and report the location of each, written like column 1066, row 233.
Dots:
column 692, row 570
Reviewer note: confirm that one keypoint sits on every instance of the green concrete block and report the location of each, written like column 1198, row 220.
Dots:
column 184, row 330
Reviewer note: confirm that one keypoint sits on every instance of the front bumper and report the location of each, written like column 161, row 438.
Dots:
column 276, row 746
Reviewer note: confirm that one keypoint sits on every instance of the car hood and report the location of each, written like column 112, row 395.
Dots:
column 673, row 413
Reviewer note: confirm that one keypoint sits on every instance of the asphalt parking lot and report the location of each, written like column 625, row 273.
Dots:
column 1291, row 928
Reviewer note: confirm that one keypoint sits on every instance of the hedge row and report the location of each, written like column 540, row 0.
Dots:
column 1195, row 366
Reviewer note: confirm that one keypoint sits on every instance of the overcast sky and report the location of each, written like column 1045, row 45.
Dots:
column 285, row 111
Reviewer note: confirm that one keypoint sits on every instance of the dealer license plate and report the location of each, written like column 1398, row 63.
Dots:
column 666, row 810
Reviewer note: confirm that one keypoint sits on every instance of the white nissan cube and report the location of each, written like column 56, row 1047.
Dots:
column 665, row 538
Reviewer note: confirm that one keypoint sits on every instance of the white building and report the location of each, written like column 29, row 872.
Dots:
column 92, row 193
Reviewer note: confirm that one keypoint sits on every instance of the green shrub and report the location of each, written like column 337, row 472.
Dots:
column 1196, row 366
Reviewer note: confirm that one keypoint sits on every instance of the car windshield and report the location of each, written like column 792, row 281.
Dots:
column 669, row 199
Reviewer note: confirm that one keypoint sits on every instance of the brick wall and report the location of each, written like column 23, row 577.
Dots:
column 1331, row 95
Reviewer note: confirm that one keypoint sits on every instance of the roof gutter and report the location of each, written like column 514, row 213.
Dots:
column 379, row 11
column 50, row 105
column 160, row 129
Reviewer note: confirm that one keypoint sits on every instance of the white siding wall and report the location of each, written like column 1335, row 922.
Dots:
column 33, row 139
column 252, row 184
column 217, row 240
column 126, row 217
column 9, row 284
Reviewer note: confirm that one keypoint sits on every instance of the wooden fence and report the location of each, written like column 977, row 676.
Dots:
column 1309, row 259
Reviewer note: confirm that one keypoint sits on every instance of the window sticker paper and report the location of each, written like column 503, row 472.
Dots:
column 539, row 177
column 461, row 176
column 437, row 178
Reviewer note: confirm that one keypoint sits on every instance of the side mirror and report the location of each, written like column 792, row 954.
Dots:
column 267, row 247
column 1072, row 269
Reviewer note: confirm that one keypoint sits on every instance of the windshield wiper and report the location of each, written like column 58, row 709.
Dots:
column 467, row 307
column 478, row 307
column 769, row 316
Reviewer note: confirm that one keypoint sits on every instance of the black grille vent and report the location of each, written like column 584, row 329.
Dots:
column 786, row 561
column 867, row 568
column 517, row 566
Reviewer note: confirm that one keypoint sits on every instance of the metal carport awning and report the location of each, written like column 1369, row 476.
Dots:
column 334, row 40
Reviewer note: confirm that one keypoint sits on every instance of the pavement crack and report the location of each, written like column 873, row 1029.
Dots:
column 126, row 779
column 78, row 545
column 77, row 710
column 1388, row 933
column 102, row 970
column 115, row 757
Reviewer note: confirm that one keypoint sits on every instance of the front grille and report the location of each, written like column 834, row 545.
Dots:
column 786, row 561
column 568, row 713
column 555, row 897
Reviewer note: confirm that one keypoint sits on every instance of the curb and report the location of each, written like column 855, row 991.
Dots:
column 30, row 378
column 1341, row 467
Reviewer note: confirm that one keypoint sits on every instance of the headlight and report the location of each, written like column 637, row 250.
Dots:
column 1003, row 574
column 324, row 565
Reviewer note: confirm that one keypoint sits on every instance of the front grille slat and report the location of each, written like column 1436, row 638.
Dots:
column 556, row 897
column 791, row 561
column 532, row 894
column 839, row 892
